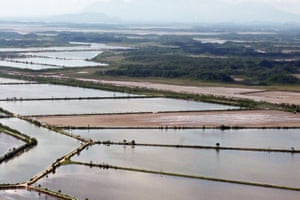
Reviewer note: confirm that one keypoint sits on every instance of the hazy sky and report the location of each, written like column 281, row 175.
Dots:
column 186, row 9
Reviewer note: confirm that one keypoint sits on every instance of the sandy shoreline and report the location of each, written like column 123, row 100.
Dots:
column 246, row 118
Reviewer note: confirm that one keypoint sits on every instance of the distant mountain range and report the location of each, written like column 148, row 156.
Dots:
column 164, row 11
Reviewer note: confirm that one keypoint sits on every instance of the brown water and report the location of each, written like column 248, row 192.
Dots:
column 94, row 184
column 259, row 167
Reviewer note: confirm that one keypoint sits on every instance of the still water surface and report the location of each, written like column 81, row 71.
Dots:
column 24, row 195
column 8, row 142
column 252, row 138
column 50, row 146
column 108, row 106
column 94, row 183
column 53, row 91
column 260, row 167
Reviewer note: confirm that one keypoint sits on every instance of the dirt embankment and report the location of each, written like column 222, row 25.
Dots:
column 251, row 119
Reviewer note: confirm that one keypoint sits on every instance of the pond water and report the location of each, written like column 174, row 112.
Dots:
column 210, row 40
column 2, row 114
column 56, row 57
column 252, row 138
column 25, row 66
column 8, row 80
column 50, row 146
column 49, row 91
column 7, row 142
column 53, row 62
column 77, row 46
column 108, row 106
column 24, row 195
column 260, row 167
column 74, row 55
column 94, row 183
column 219, row 41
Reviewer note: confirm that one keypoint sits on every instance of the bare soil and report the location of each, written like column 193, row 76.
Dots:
column 251, row 119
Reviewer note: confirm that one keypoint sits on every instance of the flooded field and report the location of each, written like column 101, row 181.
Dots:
column 252, row 138
column 259, row 167
column 113, row 184
column 199, row 119
column 108, row 106
column 24, row 195
column 50, row 146
column 33, row 91
column 7, row 143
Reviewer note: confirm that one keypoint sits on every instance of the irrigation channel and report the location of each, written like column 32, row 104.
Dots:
column 59, row 149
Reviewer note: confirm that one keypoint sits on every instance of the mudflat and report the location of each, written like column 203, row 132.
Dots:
column 211, row 119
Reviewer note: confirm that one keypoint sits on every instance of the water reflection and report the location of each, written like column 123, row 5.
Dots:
column 252, row 138
column 50, row 146
column 24, row 195
column 53, row 91
column 92, row 183
column 8, row 142
column 260, row 167
column 108, row 106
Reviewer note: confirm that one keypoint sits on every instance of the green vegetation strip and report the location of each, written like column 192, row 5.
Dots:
column 217, row 147
column 30, row 143
column 106, row 166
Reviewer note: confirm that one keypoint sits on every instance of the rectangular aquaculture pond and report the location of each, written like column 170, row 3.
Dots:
column 24, row 195
column 93, row 183
column 259, row 167
column 7, row 143
column 50, row 146
column 11, row 81
column 37, row 91
column 109, row 106
column 248, row 138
